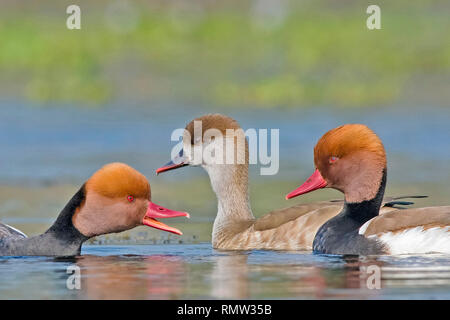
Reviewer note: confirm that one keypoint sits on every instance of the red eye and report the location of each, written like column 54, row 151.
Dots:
column 130, row 198
column 333, row 159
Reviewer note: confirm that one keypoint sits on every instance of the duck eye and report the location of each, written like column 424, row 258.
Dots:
column 130, row 198
column 333, row 159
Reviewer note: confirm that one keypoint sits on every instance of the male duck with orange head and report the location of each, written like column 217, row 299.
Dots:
column 352, row 159
column 116, row 198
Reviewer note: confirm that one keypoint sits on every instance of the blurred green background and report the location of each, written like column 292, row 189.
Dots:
column 258, row 53
column 73, row 100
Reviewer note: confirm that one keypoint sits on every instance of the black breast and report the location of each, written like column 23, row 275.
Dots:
column 350, row 243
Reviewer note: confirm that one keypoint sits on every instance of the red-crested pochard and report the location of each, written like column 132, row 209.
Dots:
column 352, row 159
column 235, row 227
column 116, row 198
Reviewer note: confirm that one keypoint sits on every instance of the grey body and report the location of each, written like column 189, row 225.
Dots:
column 61, row 239
column 47, row 244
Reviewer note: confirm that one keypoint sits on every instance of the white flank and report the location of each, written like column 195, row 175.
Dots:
column 417, row 240
column 364, row 227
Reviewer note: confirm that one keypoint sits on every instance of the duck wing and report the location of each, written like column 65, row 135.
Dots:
column 397, row 221
column 10, row 233
column 327, row 209
column 276, row 218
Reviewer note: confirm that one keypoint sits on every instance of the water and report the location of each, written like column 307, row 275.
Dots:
column 48, row 152
column 62, row 143
column 199, row 272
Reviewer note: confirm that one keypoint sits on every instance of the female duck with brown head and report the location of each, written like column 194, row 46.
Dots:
column 352, row 159
column 235, row 227
column 116, row 198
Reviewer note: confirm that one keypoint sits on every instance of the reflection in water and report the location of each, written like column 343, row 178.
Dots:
column 199, row 272
column 349, row 277
column 230, row 277
column 358, row 274
column 418, row 272
column 121, row 277
column 233, row 278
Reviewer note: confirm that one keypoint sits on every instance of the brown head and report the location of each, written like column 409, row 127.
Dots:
column 210, row 140
column 350, row 158
column 214, row 121
column 218, row 144
column 118, row 198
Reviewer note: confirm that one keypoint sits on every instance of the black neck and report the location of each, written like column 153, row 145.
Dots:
column 63, row 227
column 340, row 234
column 61, row 239
column 361, row 212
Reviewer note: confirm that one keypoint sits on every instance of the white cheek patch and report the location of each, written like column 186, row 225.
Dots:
column 417, row 240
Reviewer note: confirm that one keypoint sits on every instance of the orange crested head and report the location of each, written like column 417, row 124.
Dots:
column 117, row 198
column 118, row 180
column 345, row 141
column 351, row 159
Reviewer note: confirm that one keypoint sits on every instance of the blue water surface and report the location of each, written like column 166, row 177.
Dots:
column 199, row 272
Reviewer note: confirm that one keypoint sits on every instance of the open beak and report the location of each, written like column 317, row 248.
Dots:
column 316, row 181
column 178, row 162
column 155, row 211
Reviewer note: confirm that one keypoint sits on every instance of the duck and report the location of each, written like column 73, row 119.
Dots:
column 352, row 159
column 235, row 227
column 114, row 199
